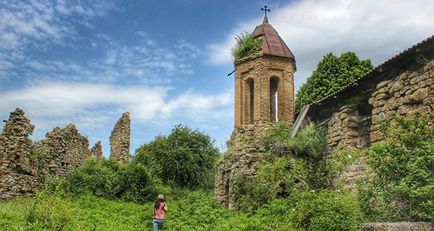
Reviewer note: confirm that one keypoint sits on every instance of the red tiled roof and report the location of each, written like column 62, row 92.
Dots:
column 272, row 43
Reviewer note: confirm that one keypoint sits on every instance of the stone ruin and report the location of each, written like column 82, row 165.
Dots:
column 96, row 151
column 246, row 153
column 63, row 150
column 24, row 165
column 18, row 174
column 120, row 139
column 402, row 86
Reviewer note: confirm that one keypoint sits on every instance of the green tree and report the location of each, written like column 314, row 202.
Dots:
column 185, row 158
column 332, row 74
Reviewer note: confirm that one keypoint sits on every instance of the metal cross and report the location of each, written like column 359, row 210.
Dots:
column 265, row 9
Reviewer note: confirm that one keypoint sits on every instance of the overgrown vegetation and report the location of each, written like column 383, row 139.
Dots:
column 111, row 180
column 298, row 177
column 185, row 158
column 331, row 75
column 403, row 185
column 291, row 191
column 246, row 44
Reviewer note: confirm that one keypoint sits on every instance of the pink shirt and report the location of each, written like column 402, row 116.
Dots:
column 159, row 213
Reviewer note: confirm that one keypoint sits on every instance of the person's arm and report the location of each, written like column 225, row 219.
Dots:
column 165, row 208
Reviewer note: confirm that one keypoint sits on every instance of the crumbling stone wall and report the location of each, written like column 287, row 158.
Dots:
column 120, row 139
column 96, row 151
column 347, row 128
column 65, row 150
column 402, row 86
column 24, row 166
column 17, row 168
column 410, row 92
column 242, row 159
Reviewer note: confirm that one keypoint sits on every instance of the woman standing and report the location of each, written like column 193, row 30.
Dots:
column 160, row 209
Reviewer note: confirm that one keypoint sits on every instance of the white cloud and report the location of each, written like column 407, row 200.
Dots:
column 52, row 104
column 36, row 23
column 374, row 29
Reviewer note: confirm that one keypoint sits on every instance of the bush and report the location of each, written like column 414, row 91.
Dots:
column 309, row 142
column 403, row 163
column 185, row 158
column 246, row 44
column 109, row 179
column 325, row 210
column 276, row 179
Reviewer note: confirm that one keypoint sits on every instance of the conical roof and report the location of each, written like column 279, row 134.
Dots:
column 272, row 43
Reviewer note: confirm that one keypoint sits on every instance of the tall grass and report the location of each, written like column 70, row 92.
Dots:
column 246, row 43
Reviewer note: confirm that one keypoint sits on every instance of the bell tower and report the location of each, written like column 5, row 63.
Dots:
column 264, row 81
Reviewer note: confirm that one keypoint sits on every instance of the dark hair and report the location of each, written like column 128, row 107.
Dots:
column 157, row 203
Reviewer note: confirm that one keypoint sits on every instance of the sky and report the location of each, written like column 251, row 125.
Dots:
column 166, row 62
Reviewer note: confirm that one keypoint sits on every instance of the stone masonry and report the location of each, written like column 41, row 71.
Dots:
column 120, row 139
column 408, row 93
column 66, row 149
column 347, row 128
column 25, row 165
column 259, row 72
column 17, row 168
column 244, row 154
column 96, row 151
column 402, row 86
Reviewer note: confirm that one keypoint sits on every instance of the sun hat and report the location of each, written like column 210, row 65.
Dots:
column 160, row 196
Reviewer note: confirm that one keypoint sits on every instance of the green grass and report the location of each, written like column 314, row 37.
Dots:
column 188, row 210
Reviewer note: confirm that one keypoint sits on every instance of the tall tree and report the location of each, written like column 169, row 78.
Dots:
column 331, row 75
column 185, row 158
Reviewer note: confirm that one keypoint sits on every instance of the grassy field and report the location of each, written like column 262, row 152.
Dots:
column 192, row 210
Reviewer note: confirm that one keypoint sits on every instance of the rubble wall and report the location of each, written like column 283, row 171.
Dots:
column 120, row 139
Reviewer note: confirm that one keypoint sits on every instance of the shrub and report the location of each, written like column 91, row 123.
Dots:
column 325, row 210
column 276, row 179
column 109, row 179
column 246, row 44
column 185, row 158
column 309, row 142
column 403, row 164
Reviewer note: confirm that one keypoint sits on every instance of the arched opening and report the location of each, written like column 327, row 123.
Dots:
column 274, row 99
column 250, row 100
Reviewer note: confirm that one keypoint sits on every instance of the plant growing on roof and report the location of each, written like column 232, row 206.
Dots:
column 246, row 44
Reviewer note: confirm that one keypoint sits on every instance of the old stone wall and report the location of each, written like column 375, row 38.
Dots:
column 402, row 86
column 259, row 71
column 17, row 168
column 120, row 139
column 347, row 128
column 410, row 92
column 96, row 151
column 242, row 159
column 25, row 165
column 64, row 150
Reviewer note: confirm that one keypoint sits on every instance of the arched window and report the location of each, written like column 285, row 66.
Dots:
column 250, row 108
column 274, row 99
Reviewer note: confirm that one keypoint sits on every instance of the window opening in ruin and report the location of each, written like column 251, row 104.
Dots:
column 274, row 99
column 251, row 102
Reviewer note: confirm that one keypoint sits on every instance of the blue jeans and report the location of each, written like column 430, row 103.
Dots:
column 158, row 224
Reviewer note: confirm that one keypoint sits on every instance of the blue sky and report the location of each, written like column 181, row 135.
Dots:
column 87, row 62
